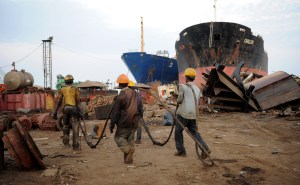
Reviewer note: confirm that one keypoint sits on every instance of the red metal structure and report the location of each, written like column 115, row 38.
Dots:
column 29, row 101
column 22, row 148
column 17, row 92
column 2, row 88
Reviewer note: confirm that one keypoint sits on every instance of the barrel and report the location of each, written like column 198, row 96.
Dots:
column 18, row 79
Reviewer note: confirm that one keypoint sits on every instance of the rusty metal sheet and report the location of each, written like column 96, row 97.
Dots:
column 218, row 90
column 11, row 150
column 225, row 93
column 227, row 107
column 32, row 146
column 22, row 148
column 275, row 89
column 234, row 87
column 17, row 147
column 267, row 80
column 216, row 98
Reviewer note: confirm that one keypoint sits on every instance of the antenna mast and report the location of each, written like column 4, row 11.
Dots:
column 211, row 26
column 47, row 61
column 215, row 11
column 142, row 35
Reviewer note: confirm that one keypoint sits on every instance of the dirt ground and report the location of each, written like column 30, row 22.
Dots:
column 248, row 148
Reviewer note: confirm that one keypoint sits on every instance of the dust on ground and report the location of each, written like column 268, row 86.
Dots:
column 247, row 149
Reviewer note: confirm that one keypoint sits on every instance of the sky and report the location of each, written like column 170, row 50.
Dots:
column 89, row 36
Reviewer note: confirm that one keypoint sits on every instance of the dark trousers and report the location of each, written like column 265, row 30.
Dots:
column 139, row 133
column 191, row 125
column 124, row 138
column 71, row 112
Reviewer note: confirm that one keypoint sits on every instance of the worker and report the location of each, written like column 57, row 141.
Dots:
column 140, row 110
column 70, row 94
column 187, row 114
column 125, row 115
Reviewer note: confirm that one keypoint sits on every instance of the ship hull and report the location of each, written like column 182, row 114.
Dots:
column 147, row 68
column 205, row 45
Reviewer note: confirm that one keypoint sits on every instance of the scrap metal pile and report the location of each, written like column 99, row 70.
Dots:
column 19, row 144
column 231, row 93
column 99, row 100
column 43, row 121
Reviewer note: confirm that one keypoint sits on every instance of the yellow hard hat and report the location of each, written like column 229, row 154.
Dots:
column 68, row 77
column 122, row 79
column 190, row 72
column 131, row 83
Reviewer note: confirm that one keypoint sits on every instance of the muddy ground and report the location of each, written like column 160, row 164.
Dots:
column 248, row 148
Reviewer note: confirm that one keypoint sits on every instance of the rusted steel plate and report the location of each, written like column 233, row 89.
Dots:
column 32, row 146
column 225, row 107
column 234, row 87
column 218, row 90
column 229, row 99
column 11, row 149
column 25, row 122
column 22, row 148
column 226, row 93
column 275, row 89
column 267, row 80
column 19, row 148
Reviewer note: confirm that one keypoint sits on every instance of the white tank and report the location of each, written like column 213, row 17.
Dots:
column 18, row 79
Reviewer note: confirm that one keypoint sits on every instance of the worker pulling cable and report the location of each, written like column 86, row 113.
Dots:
column 190, row 75
column 205, row 154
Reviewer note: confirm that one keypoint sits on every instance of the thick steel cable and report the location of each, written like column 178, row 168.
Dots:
column 179, row 122
column 83, row 129
column 150, row 136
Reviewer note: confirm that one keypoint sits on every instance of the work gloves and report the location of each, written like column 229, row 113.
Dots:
column 111, row 128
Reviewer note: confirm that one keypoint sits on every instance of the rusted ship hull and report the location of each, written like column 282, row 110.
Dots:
column 205, row 45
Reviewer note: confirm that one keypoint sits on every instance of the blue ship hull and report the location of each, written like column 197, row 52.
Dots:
column 149, row 68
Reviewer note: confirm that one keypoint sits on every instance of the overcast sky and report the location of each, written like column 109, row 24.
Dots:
column 91, row 35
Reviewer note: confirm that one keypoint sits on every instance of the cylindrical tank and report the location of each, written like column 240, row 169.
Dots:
column 18, row 79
